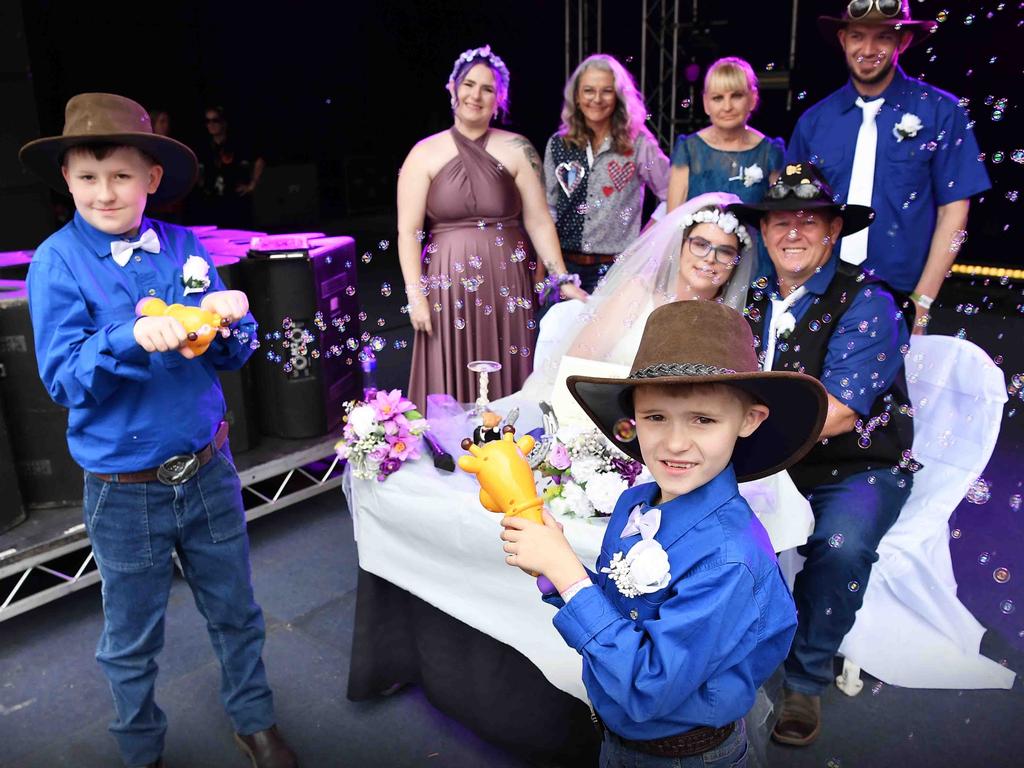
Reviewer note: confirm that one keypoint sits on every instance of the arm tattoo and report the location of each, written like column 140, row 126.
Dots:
column 530, row 152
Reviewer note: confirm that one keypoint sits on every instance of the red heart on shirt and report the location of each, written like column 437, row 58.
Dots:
column 607, row 190
column 621, row 174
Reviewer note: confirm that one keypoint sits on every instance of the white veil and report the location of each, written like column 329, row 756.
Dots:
column 608, row 327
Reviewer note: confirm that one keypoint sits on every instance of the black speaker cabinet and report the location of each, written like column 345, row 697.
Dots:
column 299, row 289
column 47, row 474
column 14, row 264
column 12, row 510
column 238, row 386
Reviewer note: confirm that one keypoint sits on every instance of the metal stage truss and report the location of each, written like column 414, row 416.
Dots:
column 49, row 555
column 671, row 34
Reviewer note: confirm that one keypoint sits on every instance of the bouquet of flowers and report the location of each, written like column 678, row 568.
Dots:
column 380, row 434
column 584, row 474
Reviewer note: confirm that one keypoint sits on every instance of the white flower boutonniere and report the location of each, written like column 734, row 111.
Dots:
column 195, row 274
column 787, row 324
column 752, row 175
column 907, row 127
column 643, row 570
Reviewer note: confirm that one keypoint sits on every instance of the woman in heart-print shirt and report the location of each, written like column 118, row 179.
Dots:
column 597, row 164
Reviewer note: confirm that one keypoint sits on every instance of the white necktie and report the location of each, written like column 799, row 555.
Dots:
column 121, row 250
column 780, row 307
column 862, row 177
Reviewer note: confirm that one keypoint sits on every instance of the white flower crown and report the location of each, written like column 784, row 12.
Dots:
column 482, row 53
column 725, row 221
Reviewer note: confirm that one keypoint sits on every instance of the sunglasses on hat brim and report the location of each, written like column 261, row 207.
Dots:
column 858, row 9
column 805, row 191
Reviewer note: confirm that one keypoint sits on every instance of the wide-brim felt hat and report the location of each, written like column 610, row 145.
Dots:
column 109, row 118
column 802, row 187
column 902, row 21
column 704, row 342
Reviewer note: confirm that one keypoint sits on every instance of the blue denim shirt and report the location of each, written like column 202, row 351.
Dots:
column 697, row 650
column 938, row 166
column 129, row 410
column 865, row 353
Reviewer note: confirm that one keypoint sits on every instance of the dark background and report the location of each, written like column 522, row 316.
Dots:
column 350, row 87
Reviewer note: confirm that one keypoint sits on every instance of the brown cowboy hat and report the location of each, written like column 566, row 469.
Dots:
column 704, row 342
column 108, row 118
column 802, row 187
column 889, row 13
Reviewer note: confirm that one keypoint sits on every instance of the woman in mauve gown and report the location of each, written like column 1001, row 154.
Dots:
column 468, row 278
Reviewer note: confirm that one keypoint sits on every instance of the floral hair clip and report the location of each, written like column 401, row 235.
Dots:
column 480, row 53
column 725, row 221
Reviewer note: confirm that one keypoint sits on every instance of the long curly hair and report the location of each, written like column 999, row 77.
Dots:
column 627, row 120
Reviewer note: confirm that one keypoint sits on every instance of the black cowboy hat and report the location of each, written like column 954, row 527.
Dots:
column 704, row 342
column 889, row 13
column 802, row 187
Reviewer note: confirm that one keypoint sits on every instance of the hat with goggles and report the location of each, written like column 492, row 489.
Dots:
column 802, row 187
column 889, row 13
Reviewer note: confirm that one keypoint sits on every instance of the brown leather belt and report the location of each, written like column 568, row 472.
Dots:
column 177, row 469
column 589, row 259
column 694, row 742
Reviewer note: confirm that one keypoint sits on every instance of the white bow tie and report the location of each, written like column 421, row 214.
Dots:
column 645, row 523
column 121, row 251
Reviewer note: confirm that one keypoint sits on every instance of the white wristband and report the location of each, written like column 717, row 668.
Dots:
column 573, row 589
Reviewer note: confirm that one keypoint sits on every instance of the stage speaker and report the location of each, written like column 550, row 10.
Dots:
column 47, row 474
column 238, row 386
column 14, row 264
column 305, row 286
column 12, row 510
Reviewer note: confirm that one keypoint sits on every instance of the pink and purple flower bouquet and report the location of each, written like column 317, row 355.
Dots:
column 380, row 434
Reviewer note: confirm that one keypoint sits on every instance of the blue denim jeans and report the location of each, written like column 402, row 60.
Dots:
column 134, row 528
column 850, row 518
column 731, row 753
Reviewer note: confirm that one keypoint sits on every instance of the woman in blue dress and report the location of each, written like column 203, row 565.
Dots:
column 728, row 155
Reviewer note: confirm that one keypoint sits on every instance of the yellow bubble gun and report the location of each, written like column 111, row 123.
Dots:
column 505, row 477
column 201, row 326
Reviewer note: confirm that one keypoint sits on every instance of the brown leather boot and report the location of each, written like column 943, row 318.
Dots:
column 800, row 721
column 267, row 749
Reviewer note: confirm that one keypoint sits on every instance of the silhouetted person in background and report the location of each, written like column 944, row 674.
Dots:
column 229, row 171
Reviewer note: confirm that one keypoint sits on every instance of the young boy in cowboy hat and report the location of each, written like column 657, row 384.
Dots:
column 687, row 612
column 827, row 319
column 145, row 415
column 897, row 144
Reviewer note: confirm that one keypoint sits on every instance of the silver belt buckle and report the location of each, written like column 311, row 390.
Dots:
column 178, row 469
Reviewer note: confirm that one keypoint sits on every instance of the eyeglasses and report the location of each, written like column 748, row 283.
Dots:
column 858, row 9
column 724, row 254
column 804, row 191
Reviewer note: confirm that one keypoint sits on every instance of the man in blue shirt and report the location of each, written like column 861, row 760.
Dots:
column 926, row 165
column 825, row 318
column 688, row 613
column 146, row 413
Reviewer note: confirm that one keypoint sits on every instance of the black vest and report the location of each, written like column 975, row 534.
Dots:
column 881, row 441
column 568, row 219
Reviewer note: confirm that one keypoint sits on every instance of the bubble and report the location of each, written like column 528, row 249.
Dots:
column 853, row 586
column 835, row 540
column 367, row 257
column 351, row 290
column 998, row 156
column 979, row 491
column 460, row 323
column 377, row 343
column 1018, row 156
column 941, row 16
column 801, row 96
column 754, row 314
column 876, row 689
column 383, row 245
column 437, row 306
column 1001, row 575
column 524, row 351
column 1015, row 502
column 1012, row 195
column 432, row 247
column 1007, row 607
column 956, row 533
column 488, row 310
column 814, row 325
column 969, row 19
column 983, row 558
column 624, row 430
column 864, row 441
column 499, row 241
column 400, row 344
column 381, row 322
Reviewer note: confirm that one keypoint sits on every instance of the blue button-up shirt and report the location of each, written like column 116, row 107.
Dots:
column 866, row 350
column 913, row 176
column 697, row 650
column 129, row 410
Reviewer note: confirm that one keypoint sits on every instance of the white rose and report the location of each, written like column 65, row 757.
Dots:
column 786, row 325
column 907, row 127
column 648, row 566
column 576, row 500
column 604, row 490
column 752, row 175
column 558, row 506
column 363, row 420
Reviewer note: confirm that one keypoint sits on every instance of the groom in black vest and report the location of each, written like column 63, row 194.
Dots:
column 823, row 317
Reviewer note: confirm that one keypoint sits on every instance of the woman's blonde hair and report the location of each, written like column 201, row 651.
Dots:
column 628, row 118
column 731, row 74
